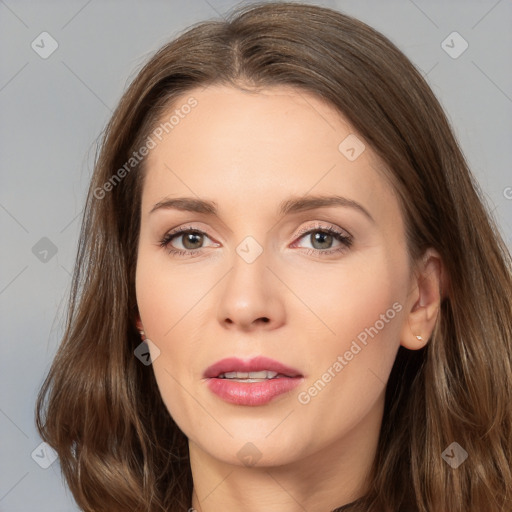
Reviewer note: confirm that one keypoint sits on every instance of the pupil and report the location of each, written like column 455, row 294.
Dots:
column 189, row 238
column 317, row 237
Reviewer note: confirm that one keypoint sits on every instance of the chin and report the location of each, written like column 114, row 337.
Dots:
column 252, row 447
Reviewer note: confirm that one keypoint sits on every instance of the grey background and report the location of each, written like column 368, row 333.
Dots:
column 52, row 111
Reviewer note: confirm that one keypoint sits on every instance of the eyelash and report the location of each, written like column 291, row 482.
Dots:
column 345, row 240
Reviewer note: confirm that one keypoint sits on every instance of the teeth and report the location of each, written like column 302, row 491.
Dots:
column 265, row 374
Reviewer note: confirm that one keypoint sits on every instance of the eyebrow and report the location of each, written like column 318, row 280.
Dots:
column 292, row 205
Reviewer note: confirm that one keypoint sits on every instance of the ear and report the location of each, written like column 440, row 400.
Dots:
column 138, row 323
column 424, row 301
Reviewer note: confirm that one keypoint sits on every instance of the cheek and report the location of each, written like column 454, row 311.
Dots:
column 361, row 309
column 169, row 303
column 353, row 298
column 167, row 294
column 367, row 302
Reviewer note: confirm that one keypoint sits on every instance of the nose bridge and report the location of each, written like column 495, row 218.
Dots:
column 249, row 263
column 248, row 294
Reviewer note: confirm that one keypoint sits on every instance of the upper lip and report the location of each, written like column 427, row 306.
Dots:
column 256, row 364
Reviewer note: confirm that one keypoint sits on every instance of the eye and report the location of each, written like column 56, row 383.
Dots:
column 191, row 240
column 322, row 239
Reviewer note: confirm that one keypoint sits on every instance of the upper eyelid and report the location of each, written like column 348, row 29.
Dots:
column 319, row 227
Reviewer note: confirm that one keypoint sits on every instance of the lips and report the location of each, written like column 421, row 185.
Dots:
column 254, row 382
column 257, row 364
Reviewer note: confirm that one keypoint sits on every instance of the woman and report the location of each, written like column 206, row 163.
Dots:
column 368, row 370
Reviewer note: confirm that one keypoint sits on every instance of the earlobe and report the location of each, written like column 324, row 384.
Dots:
column 139, row 326
column 425, row 300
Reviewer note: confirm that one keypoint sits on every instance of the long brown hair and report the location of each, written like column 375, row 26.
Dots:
column 119, row 448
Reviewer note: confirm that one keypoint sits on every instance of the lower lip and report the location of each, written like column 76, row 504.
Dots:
column 252, row 393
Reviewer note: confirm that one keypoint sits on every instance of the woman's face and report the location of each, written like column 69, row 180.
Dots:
column 320, row 288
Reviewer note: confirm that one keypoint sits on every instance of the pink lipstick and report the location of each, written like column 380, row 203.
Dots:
column 251, row 382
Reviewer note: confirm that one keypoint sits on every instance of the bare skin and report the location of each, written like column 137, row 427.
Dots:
column 247, row 153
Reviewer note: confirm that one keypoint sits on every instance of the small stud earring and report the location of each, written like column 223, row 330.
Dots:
column 419, row 338
column 142, row 335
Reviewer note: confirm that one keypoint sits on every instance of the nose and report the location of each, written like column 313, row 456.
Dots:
column 251, row 296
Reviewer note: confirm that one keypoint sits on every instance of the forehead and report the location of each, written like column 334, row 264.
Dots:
column 243, row 146
column 282, row 119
